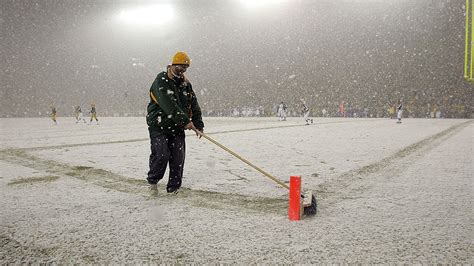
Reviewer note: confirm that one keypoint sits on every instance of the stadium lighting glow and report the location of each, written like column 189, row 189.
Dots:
column 258, row 3
column 151, row 15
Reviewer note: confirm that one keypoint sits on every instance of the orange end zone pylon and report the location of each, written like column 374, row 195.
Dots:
column 294, row 205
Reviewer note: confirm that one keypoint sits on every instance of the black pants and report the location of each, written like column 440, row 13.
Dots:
column 167, row 149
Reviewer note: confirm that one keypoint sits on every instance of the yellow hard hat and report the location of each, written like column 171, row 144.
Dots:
column 181, row 58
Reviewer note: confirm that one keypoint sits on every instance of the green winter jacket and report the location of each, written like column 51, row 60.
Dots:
column 173, row 104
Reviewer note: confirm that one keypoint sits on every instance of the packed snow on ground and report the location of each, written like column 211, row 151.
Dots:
column 387, row 192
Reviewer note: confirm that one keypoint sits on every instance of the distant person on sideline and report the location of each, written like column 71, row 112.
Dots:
column 282, row 112
column 173, row 108
column 93, row 114
column 54, row 112
column 399, row 112
column 305, row 111
column 76, row 112
column 342, row 111
column 80, row 116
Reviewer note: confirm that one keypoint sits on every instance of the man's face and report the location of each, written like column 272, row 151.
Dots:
column 179, row 69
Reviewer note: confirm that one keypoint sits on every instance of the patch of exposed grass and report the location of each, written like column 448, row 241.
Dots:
column 34, row 179
column 216, row 200
column 134, row 181
column 78, row 171
column 80, row 168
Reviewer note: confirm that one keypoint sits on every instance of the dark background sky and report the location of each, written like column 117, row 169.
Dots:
column 367, row 53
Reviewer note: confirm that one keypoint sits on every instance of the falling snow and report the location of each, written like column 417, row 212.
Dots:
column 74, row 53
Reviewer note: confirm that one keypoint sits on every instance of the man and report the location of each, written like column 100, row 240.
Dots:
column 342, row 111
column 399, row 112
column 54, row 114
column 80, row 116
column 76, row 113
column 305, row 111
column 282, row 112
column 173, row 108
column 93, row 114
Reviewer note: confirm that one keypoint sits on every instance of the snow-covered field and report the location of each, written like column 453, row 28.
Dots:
column 387, row 193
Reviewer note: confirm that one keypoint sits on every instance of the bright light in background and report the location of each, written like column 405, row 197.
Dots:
column 258, row 3
column 151, row 15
